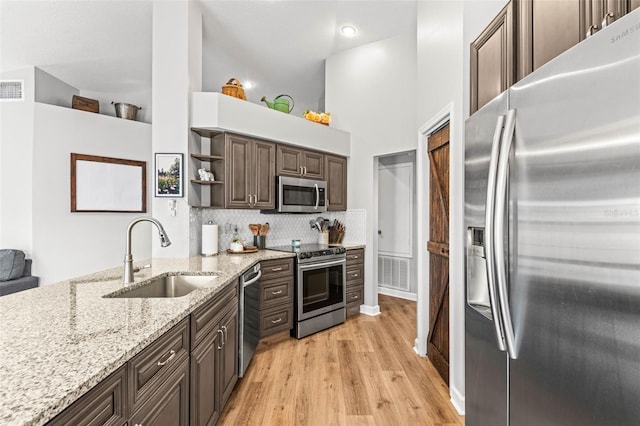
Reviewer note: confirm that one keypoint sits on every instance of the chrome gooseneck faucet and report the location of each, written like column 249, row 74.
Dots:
column 128, row 258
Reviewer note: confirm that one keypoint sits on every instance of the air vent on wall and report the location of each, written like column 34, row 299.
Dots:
column 12, row 90
column 393, row 272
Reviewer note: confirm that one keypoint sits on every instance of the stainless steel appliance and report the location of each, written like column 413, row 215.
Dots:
column 552, row 215
column 320, row 287
column 249, row 315
column 296, row 195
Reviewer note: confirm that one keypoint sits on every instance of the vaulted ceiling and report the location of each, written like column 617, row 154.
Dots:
column 280, row 45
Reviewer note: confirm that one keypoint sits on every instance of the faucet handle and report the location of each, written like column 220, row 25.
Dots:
column 140, row 268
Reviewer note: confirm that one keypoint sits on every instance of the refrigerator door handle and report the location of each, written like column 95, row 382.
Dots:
column 499, row 231
column 489, row 232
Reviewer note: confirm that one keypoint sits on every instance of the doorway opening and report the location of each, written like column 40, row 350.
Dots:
column 396, row 240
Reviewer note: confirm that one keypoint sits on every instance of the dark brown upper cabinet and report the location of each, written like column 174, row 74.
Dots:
column 604, row 12
column 296, row 162
column 527, row 34
column 250, row 173
column 336, row 174
column 548, row 28
column 492, row 59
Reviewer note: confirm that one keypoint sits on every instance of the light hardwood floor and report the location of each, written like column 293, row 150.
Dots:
column 363, row 372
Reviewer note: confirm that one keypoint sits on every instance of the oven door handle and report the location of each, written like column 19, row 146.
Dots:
column 322, row 264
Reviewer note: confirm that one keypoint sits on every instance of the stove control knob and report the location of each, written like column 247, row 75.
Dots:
column 341, row 250
column 304, row 255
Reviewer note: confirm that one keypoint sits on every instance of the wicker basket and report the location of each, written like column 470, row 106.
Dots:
column 234, row 88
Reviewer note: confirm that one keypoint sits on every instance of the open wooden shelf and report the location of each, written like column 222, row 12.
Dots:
column 206, row 182
column 207, row 158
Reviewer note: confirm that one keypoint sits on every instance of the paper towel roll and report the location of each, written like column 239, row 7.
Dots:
column 209, row 239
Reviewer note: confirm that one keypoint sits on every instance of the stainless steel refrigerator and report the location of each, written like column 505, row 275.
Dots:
column 552, row 220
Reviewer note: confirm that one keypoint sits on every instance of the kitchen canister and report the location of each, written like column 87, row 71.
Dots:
column 323, row 238
column 209, row 239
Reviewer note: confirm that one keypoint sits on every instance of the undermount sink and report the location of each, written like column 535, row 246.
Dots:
column 168, row 286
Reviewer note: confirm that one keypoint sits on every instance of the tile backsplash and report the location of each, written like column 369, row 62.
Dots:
column 282, row 227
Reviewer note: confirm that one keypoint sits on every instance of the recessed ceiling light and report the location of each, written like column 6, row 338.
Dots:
column 249, row 84
column 348, row 31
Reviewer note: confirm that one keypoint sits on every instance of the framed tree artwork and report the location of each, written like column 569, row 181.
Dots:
column 168, row 175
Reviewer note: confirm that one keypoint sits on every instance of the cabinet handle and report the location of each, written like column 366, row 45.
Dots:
column 276, row 321
column 301, row 171
column 605, row 20
column 221, row 344
column 355, row 256
column 305, row 171
column 276, row 269
column 224, row 334
column 275, row 293
column 590, row 31
column 354, row 297
column 172, row 355
column 355, row 275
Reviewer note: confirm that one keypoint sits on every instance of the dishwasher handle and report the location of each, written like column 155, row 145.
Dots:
column 253, row 280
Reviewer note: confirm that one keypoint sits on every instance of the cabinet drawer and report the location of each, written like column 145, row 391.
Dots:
column 276, row 268
column 276, row 292
column 355, row 273
column 105, row 404
column 355, row 256
column 275, row 320
column 206, row 317
column 150, row 368
column 355, row 294
column 353, row 308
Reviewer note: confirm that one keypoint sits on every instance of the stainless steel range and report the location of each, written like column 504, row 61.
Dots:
column 320, row 287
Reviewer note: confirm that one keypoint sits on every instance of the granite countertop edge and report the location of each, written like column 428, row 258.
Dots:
column 83, row 342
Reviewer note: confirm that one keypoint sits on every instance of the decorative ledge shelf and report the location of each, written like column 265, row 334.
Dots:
column 204, row 157
column 206, row 182
column 213, row 113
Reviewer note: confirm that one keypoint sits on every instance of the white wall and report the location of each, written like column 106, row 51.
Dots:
column 370, row 93
column 16, row 165
column 52, row 90
column 68, row 244
column 177, row 72
column 440, row 52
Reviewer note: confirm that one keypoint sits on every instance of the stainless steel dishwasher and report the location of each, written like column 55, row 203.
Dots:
column 249, row 317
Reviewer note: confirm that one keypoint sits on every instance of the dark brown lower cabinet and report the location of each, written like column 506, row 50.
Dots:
column 355, row 281
column 183, row 378
column 276, row 296
column 205, row 403
column 169, row 405
column 214, row 367
column 105, row 404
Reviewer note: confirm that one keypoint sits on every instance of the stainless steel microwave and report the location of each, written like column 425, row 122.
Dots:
column 297, row 195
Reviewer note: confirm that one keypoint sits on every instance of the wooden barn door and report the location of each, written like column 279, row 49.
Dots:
column 438, row 247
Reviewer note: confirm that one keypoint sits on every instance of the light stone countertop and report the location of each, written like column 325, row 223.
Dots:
column 351, row 246
column 60, row 340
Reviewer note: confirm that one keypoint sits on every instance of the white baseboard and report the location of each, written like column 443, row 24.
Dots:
column 370, row 310
column 457, row 400
column 397, row 293
column 420, row 349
